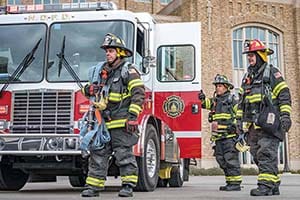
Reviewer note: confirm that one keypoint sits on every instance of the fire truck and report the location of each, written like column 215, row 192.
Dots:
column 41, row 105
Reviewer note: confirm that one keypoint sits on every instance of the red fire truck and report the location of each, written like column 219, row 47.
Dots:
column 41, row 105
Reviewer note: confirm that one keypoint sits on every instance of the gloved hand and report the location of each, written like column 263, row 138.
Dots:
column 132, row 126
column 201, row 95
column 91, row 89
column 286, row 122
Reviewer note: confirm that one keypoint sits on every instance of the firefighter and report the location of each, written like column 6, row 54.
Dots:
column 222, row 108
column 124, row 103
column 263, row 142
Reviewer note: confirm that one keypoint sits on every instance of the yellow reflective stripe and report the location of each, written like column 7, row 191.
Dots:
column 116, row 97
column 279, row 87
column 134, row 83
column 118, row 123
column 131, row 178
column 222, row 126
column 233, row 178
column 268, row 177
column 95, row 181
column 221, row 116
column 239, row 113
column 241, row 91
column 286, row 108
column 254, row 98
column 134, row 108
column 235, row 108
column 207, row 103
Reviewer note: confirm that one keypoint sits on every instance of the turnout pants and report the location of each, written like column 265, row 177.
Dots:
column 120, row 147
column 264, row 149
column 228, row 159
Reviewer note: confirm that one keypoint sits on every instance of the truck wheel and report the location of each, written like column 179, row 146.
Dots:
column 162, row 182
column 77, row 181
column 149, row 162
column 11, row 179
column 176, row 179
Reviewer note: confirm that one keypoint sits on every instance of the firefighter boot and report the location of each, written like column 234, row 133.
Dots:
column 126, row 191
column 261, row 190
column 230, row 187
column 276, row 191
column 90, row 192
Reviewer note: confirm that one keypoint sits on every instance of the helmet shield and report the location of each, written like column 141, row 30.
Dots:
column 256, row 45
column 112, row 41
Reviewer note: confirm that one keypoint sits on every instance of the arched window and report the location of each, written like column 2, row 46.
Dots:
column 271, row 39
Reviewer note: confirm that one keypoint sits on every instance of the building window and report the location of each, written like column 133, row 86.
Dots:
column 271, row 39
column 144, row 1
column 45, row 2
column 14, row 2
column 267, row 36
column 165, row 1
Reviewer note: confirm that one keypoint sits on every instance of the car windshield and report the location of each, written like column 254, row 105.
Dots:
column 82, row 46
column 16, row 41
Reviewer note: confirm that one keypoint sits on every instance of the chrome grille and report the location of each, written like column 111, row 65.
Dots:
column 46, row 111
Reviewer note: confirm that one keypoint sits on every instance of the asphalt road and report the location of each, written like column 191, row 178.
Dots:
column 199, row 187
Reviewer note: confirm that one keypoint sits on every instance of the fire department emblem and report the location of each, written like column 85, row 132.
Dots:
column 173, row 106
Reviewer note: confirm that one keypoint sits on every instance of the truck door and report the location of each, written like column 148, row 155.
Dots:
column 177, row 83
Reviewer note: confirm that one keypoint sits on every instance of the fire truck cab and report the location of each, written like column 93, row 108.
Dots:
column 41, row 105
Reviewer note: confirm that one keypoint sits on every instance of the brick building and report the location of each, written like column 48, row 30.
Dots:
column 225, row 25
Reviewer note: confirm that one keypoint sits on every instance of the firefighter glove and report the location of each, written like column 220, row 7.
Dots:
column 201, row 95
column 91, row 89
column 286, row 123
column 132, row 126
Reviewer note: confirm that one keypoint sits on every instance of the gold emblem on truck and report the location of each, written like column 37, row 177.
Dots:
column 173, row 106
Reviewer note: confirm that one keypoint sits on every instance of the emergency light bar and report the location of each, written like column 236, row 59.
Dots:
column 64, row 7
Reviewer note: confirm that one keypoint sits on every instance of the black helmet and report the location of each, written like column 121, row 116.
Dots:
column 222, row 79
column 112, row 41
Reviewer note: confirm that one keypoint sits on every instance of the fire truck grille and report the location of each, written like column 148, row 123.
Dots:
column 42, row 112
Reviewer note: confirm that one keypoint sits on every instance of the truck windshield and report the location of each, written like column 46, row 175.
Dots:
column 82, row 46
column 17, row 40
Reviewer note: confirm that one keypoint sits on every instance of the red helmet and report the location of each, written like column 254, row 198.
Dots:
column 256, row 45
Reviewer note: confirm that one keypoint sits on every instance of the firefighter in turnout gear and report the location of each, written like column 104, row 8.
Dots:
column 123, row 100
column 260, row 82
column 222, row 108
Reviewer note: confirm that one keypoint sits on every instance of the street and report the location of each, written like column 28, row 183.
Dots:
column 199, row 187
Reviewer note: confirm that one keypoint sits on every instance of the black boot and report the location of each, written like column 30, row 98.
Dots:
column 90, row 192
column 276, row 191
column 230, row 187
column 261, row 190
column 126, row 191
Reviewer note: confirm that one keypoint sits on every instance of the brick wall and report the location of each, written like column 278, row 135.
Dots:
column 218, row 20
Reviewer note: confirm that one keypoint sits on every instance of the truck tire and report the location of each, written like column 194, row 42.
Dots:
column 162, row 182
column 77, row 181
column 11, row 179
column 176, row 179
column 149, row 162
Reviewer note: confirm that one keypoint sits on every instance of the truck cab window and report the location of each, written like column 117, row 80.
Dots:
column 176, row 63
column 139, row 50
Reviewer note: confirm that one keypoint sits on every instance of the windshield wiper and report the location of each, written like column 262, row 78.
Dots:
column 65, row 63
column 27, row 60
